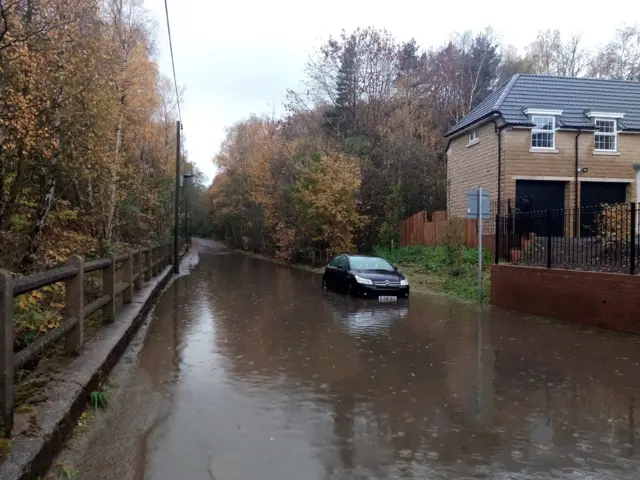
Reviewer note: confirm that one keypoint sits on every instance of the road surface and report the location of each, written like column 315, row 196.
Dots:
column 247, row 370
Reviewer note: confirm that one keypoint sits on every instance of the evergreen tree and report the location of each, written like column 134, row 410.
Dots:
column 484, row 62
column 408, row 58
column 342, row 116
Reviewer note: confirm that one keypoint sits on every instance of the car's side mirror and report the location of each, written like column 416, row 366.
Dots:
column 395, row 268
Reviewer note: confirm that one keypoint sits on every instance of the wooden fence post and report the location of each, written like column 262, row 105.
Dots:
column 74, row 305
column 147, row 262
column 6, row 352
column 137, row 284
column 154, row 260
column 127, row 276
column 109, row 288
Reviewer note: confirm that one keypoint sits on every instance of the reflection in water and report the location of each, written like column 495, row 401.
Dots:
column 367, row 317
column 278, row 380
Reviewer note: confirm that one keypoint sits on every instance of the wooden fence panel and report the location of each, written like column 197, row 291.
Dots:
column 411, row 229
column 429, row 234
column 418, row 229
column 439, row 216
column 470, row 233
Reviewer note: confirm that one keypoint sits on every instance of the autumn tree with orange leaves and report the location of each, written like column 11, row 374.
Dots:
column 87, row 135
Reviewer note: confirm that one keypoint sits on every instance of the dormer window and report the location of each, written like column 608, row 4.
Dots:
column 606, row 135
column 543, row 134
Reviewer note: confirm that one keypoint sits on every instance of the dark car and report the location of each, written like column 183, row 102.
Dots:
column 359, row 275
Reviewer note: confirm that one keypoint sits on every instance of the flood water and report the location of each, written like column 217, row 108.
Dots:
column 249, row 371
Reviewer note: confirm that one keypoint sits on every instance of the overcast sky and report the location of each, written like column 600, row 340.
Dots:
column 239, row 57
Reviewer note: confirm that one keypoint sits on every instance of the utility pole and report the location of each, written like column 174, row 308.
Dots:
column 187, row 208
column 186, row 213
column 176, row 226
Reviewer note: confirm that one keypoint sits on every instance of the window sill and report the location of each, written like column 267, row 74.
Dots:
column 606, row 153
column 544, row 150
column 473, row 142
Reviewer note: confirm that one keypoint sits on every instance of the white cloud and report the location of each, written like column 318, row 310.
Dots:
column 240, row 57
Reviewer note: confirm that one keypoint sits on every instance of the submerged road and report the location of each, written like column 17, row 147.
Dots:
column 247, row 370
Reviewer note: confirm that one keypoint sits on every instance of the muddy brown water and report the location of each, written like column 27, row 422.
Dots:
column 247, row 370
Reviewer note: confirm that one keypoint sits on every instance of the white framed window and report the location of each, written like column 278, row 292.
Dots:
column 473, row 138
column 543, row 134
column 606, row 135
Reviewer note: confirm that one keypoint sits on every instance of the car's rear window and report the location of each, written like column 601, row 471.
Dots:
column 369, row 263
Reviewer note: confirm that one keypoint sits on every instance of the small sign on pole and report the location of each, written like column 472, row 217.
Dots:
column 475, row 205
column 478, row 207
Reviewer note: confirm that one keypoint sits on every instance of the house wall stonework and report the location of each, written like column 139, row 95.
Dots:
column 520, row 162
column 469, row 167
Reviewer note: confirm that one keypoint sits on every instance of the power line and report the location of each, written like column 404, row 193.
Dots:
column 173, row 64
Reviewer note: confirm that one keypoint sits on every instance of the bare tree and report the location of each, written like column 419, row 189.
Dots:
column 620, row 58
column 550, row 55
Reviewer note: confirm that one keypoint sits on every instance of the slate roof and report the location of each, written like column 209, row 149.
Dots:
column 574, row 96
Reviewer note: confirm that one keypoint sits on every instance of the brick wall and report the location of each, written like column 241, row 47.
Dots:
column 605, row 300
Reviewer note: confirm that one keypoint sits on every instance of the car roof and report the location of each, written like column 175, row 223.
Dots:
column 362, row 256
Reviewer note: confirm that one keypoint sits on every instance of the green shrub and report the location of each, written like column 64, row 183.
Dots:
column 453, row 240
column 461, row 282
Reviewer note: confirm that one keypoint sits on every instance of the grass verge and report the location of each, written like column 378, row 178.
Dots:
column 442, row 269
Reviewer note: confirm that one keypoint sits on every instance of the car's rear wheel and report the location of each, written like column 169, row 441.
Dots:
column 324, row 284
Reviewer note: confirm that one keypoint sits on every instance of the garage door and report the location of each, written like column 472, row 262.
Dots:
column 592, row 196
column 596, row 193
column 539, row 196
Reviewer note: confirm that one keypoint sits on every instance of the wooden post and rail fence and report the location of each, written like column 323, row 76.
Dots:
column 135, row 267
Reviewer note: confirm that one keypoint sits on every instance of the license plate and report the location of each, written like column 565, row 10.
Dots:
column 387, row 299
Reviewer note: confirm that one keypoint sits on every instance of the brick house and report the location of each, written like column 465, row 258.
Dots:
column 538, row 137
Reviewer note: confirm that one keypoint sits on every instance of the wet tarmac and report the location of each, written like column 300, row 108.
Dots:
column 247, row 370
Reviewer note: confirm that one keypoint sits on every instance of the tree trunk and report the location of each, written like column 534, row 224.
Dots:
column 49, row 189
column 14, row 191
column 46, row 202
column 112, row 192
column 112, row 200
